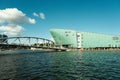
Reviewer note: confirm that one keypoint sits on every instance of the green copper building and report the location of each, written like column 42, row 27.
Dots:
column 74, row 39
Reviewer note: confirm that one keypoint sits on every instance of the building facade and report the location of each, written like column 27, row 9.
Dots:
column 74, row 39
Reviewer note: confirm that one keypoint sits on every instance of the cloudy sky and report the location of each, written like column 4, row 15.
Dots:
column 36, row 17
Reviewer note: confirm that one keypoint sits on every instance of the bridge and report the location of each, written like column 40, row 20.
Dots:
column 28, row 43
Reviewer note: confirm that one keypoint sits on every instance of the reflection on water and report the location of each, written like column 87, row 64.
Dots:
column 61, row 66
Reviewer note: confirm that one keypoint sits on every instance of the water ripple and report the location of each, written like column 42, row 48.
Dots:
column 61, row 66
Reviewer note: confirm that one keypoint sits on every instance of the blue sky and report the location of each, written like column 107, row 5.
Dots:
column 101, row 16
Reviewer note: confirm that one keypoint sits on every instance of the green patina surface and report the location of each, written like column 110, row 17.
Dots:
column 88, row 39
column 66, row 37
column 99, row 40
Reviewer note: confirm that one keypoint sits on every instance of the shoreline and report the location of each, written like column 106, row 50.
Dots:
column 22, row 51
column 109, row 50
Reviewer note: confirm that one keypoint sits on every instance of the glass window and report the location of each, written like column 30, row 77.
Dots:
column 115, row 38
column 65, row 31
column 109, row 45
column 78, row 35
column 66, row 34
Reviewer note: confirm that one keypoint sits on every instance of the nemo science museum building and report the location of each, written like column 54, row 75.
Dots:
column 74, row 39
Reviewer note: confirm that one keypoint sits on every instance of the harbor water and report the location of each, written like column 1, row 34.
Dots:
column 60, row 66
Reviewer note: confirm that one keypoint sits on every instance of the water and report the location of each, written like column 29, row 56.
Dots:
column 60, row 66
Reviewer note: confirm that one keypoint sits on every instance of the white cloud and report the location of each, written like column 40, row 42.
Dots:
column 35, row 14
column 42, row 15
column 11, row 19
column 32, row 21
column 10, row 30
column 14, row 16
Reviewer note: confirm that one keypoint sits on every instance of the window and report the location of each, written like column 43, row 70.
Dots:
column 78, row 35
column 115, row 38
column 66, row 34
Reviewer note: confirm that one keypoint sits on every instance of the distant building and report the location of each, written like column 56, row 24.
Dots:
column 71, row 38
column 3, row 38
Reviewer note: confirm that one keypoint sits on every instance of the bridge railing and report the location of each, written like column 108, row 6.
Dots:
column 27, row 41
